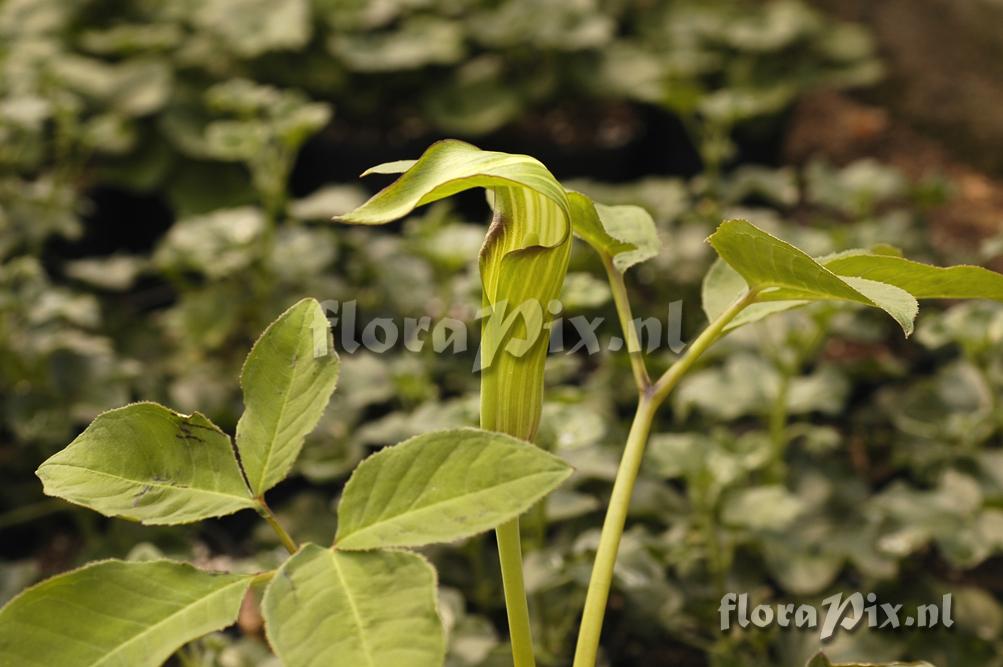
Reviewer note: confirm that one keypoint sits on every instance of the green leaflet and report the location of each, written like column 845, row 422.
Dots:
column 627, row 234
column 891, row 282
column 443, row 486
column 147, row 463
column 784, row 273
column 820, row 660
column 116, row 614
column 366, row 609
column 288, row 379
column 523, row 263
column 923, row 281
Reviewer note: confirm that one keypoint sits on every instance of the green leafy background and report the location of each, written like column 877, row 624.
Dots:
column 167, row 172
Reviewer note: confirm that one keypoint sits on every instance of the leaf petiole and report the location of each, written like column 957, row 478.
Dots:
column 623, row 487
column 623, row 311
column 708, row 337
column 266, row 513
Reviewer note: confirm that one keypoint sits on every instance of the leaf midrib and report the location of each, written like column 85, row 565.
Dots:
column 256, row 488
column 354, row 608
column 159, row 485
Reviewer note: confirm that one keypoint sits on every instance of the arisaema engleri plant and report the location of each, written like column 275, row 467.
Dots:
column 368, row 599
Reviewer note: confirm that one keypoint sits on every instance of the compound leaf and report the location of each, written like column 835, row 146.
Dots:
column 114, row 613
column 364, row 609
column 443, row 486
column 288, row 379
column 150, row 464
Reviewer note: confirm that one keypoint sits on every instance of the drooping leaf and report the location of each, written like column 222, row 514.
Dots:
column 147, row 463
column 443, row 486
column 923, row 281
column 627, row 234
column 288, row 379
column 114, row 613
column 782, row 272
column 370, row 609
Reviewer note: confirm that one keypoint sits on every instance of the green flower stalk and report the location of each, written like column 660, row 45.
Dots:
column 523, row 264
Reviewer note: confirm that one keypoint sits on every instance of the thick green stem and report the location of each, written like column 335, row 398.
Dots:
column 510, row 555
column 623, row 487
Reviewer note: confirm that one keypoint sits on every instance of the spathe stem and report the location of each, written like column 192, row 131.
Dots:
column 516, row 605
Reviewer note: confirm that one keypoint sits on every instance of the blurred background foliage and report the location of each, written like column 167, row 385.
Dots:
column 167, row 172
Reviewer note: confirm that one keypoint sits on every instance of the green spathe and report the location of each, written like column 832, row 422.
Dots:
column 522, row 263
column 448, row 167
